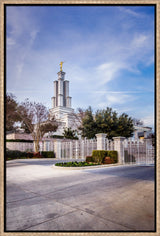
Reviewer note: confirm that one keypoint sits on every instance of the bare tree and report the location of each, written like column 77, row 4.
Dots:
column 78, row 118
column 35, row 117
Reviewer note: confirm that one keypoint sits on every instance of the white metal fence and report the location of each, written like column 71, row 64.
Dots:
column 139, row 152
column 78, row 148
column 134, row 152
column 109, row 145
column 129, row 151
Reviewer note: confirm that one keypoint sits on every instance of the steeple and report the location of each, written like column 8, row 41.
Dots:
column 61, row 91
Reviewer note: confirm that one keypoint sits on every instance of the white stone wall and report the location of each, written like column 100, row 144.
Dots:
column 20, row 146
column 19, row 136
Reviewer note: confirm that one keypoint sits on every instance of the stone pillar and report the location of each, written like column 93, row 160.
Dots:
column 68, row 104
column 119, row 147
column 57, row 149
column 56, row 92
column 53, row 102
column 66, row 88
column 60, row 86
column 60, row 100
column 101, row 141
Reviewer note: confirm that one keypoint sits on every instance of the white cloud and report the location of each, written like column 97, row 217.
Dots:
column 130, row 12
column 107, row 71
column 119, row 99
column 140, row 40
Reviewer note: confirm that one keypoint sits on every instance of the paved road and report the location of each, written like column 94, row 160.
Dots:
column 41, row 197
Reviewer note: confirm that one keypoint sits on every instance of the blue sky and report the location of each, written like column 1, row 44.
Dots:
column 108, row 55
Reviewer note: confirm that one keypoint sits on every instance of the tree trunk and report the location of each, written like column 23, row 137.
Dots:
column 36, row 145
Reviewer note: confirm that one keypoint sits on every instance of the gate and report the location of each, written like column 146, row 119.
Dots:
column 139, row 152
column 77, row 149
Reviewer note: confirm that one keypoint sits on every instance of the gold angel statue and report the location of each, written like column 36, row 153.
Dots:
column 61, row 63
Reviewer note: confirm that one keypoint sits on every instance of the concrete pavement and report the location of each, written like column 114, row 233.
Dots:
column 43, row 198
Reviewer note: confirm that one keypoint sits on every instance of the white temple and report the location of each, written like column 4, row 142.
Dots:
column 61, row 103
column 64, row 113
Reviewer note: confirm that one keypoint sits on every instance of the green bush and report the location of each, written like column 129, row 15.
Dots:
column 75, row 164
column 29, row 154
column 15, row 154
column 113, row 155
column 99, row 155
column 19, row 140
column 57, row 136
column 49, row 154
column 89, row 159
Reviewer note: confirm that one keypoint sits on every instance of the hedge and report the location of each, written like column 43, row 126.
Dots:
column 75, row 164
column 19, row 140
column 99, row 155
column 16, row 154
column 57, row 136
column 49, row 154
column 89, row 159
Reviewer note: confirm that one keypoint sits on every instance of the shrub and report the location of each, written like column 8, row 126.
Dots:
column 57, row 136
column 99, row 156
column 15, row 154
column 107, row 160
column 37, row 155
column 48, row 154
column 74, row 164
column 29, row 154
column 19, row 140
column 89, row 159
column 113, row 155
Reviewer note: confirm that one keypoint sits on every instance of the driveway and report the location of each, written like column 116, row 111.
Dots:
column 41, row 197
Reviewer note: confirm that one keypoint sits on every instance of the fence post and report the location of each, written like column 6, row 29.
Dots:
column 57, row 148
column 101, row 141
column 71, row 149
column 118, row 146
column 82, row 148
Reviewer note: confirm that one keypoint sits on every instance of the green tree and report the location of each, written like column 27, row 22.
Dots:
column 106, row 121
column 69, row 133
column 89, row 126
column 12, row 115
column 125, row 126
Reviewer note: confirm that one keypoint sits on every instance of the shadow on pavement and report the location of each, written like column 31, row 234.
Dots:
column 133, row 172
